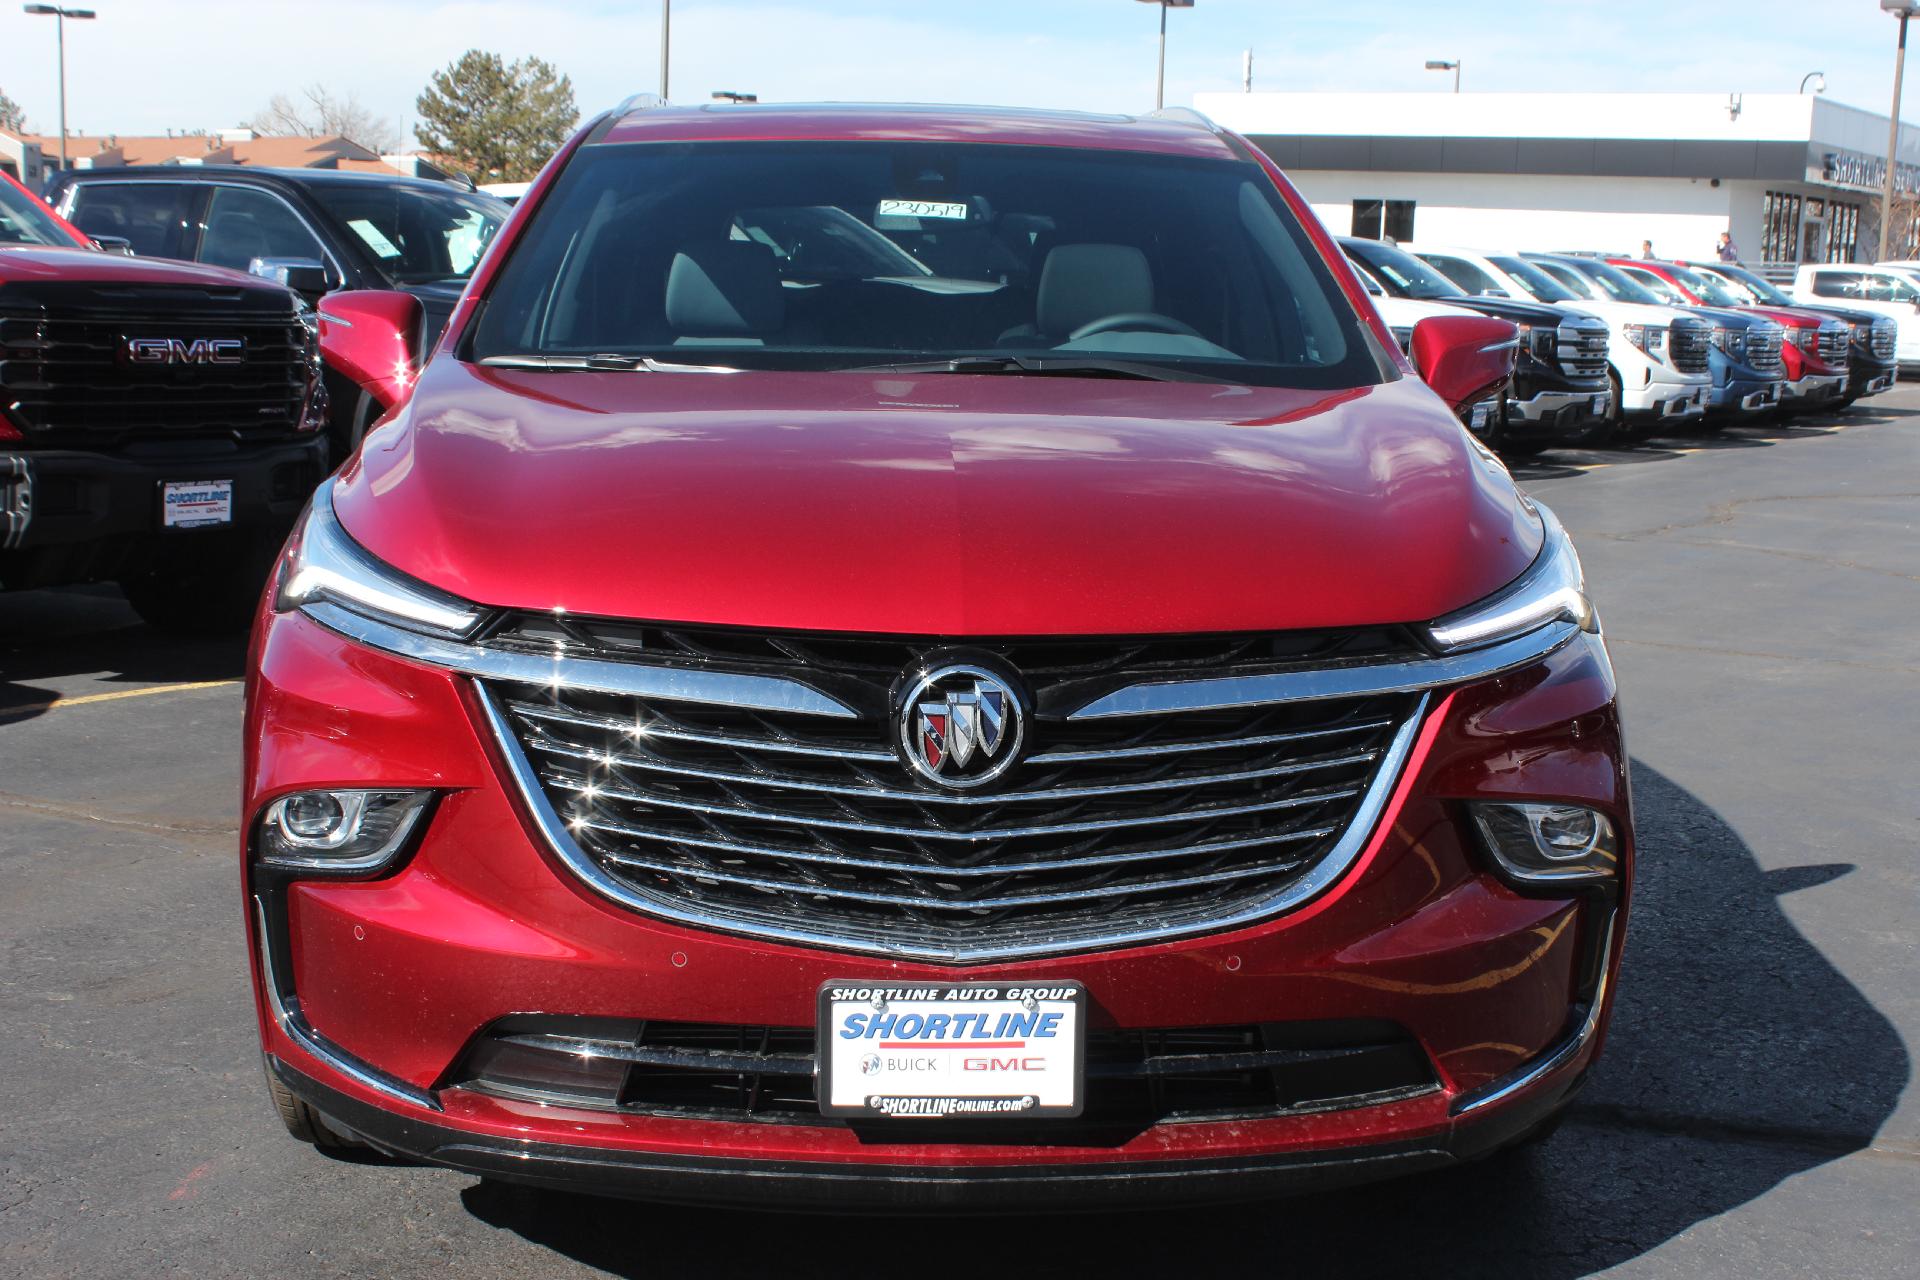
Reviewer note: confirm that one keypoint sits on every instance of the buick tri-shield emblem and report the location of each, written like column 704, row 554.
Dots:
column 961, row 726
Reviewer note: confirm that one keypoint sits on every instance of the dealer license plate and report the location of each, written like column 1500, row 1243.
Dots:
column 193, row 504
column 952, row 1051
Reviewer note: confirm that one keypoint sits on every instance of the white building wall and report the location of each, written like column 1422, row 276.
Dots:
column 1683, row 217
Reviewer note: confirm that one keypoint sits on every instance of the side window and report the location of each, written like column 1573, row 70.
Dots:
column 1463, row 273
column 1897, row 290
column 151, row 216
column 1657, row 284
column 1838, row 284
column 243, row 225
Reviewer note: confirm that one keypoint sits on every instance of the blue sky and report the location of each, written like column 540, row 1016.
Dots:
column 149, row 65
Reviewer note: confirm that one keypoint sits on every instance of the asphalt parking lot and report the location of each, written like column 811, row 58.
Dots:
column 1753, row 1115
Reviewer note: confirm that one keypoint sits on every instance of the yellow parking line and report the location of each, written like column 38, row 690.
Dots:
column 35, row 707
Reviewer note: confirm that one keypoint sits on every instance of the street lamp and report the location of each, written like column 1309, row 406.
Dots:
column 1902, row 9
column 1438, row 64
column 1160, row 78
column 60, row 17
column 728, row 95
column 1821, row 76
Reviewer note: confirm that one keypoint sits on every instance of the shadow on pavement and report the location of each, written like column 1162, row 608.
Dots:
column 47, row 636
column 1738, row 1057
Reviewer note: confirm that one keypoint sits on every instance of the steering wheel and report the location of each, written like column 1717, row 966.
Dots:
column 1149, row 320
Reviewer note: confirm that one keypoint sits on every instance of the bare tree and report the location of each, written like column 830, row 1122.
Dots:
column 320, row 114
column 12, row 118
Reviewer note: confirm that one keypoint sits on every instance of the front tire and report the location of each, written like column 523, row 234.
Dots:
column 303, row 1122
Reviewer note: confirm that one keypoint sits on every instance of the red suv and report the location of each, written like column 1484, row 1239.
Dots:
column 926, row 657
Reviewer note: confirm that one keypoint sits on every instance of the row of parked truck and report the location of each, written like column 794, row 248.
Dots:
column 1615, row 349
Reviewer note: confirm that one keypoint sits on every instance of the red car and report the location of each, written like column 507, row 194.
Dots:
column 926, row 658
column 1813, row 358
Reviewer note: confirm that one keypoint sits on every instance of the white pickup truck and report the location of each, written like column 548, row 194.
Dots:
column 1892, row 291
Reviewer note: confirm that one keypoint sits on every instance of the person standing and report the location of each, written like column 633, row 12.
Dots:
column 1728, row 250
column 1646, row 250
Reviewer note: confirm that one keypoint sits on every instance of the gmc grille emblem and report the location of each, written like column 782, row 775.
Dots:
column 184, row 351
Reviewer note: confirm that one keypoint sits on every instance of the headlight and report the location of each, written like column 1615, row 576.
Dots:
column 1806, row 339
column 1551, row 590
column 1549, row 844
column 1650, row 338
column 344, row 832
column 1720, row 336
column 325, row 565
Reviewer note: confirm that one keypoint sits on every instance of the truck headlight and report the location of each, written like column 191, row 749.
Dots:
column 325, row 565
column 1553, row 589
column 1650, row 338
column 339, row 832
column 1549, row 844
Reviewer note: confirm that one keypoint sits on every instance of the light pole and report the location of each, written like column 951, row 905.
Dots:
column 1821, row 76
column 60, row 17
column 1439, row 64
column 1160, row 77
column 1902, row 9
column 666, row 43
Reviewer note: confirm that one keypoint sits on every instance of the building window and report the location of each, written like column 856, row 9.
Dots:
column 1843, row 232
column 1383, row 220
column 1780, row 227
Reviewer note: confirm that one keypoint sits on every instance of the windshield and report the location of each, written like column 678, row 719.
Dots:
column 1662, row 289
column 1754, row 287
column 23, row 221
column 416, row 234
column 1612, row 282
column 1404, row 274
column 1711, row 290
column 1542, row 286
column 838, row 255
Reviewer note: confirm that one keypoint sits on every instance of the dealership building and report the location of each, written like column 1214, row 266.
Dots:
column 1795, row 178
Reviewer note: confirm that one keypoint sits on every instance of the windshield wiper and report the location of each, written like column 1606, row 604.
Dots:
column 1059, row 366
column 606, row 363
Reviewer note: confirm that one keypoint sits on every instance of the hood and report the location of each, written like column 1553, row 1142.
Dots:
column 947, row 505
column 29, row 264
column 1516, row 310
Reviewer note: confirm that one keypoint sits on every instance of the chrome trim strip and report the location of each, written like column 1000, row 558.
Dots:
column 942, row 904
column 769, row 1064
column 931, row 869
column 1188, row 748
column 1337, row 861
column 670, row 684
column 1558, row 1055
column 611, row 760
column 591, row 790
column 587, row 720
column 294, row 1025
column 1358, row 681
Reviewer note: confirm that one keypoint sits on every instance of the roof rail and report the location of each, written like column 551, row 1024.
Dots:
column 1185, row 115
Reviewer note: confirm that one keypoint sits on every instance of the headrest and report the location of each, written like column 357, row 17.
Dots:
column 1084, row 282
column 724, row 289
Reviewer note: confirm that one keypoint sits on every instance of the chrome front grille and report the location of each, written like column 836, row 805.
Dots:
column 1687, row 345
column 1582, row 349
column 811, row 828
column 1763, row 348
column 1834, row 341
column 1885, row 340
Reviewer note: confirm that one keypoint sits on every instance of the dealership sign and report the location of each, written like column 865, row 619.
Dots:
column 1867, row 173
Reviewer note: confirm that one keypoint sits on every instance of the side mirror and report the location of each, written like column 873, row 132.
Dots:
column 114, row 244
column 309, row 276
column 373, row 336
column 1465, row 358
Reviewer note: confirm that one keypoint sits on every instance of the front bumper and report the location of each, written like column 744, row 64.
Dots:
column 1555, row 414
column 1870, row 378
column 1666, row 401
column 68, row 515
column 1814, row 389
column 370, row 993
column 1742, row 395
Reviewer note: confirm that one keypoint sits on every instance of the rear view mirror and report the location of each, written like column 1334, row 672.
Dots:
column 373, row 336
column 309, row 276
column 1465, row 358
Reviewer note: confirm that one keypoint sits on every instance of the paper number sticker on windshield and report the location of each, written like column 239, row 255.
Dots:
column 375, row 238
column 922, row 209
